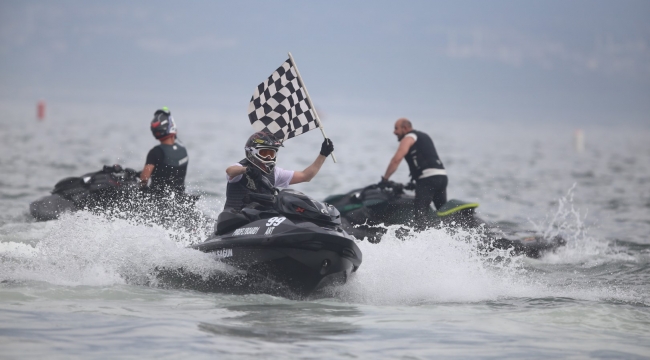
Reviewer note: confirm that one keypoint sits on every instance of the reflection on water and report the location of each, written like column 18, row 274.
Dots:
column 287, row 323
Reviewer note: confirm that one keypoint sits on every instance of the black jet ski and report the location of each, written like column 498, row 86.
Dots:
column 90, row 191
column 364, row 210
column 113, row 187
column 285, row 244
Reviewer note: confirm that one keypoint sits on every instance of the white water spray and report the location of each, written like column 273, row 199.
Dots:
column 568, row 223
column 85, row 249
column 436, row 265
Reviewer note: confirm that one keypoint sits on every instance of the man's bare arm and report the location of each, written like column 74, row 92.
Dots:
column 402, row 150
column 146, row 174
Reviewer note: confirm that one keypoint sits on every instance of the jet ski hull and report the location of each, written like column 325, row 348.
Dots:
column 293, row 246
column 51, row 207
column 295, row 264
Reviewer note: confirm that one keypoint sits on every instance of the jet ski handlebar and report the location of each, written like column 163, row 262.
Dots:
column 394, row 188
column 118, row 169
column 291, row 203
column 263, row 199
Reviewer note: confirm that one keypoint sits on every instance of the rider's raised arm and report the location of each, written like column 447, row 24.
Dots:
column 306, row 175
column 309, row 173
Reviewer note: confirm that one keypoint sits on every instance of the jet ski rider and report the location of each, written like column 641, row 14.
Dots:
column 426, row 169
column 166, row 164
column 261, row 154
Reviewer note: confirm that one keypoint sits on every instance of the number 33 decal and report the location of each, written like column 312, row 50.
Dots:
column 275, row 221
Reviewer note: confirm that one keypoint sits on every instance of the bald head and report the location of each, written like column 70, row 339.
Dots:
column 404, row 123
column 402, row 127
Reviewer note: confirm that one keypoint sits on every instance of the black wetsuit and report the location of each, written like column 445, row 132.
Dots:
column 429, row 175
column 170, row 167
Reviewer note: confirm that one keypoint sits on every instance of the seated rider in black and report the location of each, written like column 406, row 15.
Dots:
column 261, row 150
column 426, row 169
column 166, row 164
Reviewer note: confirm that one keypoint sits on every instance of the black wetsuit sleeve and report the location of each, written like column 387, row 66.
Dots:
column 155, row 156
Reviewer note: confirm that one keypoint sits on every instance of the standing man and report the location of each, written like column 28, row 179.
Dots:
column 426, row 168
column 166, row 164
column 261, row 154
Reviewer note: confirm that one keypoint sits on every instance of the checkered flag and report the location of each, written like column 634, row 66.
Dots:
column 280, row 105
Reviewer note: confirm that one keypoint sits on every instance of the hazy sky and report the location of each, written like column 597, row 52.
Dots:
column 578, row 61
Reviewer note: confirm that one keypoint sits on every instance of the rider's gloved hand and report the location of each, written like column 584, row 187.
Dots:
column 253, row 172
column 326, row 148
column 384, row 182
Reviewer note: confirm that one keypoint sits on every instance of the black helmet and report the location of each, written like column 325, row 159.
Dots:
column 261, row 150
column 163, row 125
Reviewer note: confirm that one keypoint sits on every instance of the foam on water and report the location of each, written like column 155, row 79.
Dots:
column 187, row 222
column 437, row 265
column 86, row 249
column 450, row 265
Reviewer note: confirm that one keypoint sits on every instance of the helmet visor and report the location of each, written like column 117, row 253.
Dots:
column 268, row 154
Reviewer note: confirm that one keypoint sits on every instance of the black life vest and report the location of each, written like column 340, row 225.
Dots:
column 236, row 191
column 170, row 173
column 422, row 155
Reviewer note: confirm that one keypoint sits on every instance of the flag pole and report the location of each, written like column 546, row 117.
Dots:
column 320, row 125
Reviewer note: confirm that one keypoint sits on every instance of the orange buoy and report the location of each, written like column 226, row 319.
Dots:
column 40, row 110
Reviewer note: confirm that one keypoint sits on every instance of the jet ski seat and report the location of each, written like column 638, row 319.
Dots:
column 229, row 220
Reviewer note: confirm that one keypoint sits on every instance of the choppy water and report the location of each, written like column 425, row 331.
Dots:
column 82, row 286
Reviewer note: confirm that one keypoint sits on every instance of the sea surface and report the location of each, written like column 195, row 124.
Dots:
column 82, row 286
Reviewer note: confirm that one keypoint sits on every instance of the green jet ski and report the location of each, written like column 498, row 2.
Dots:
column 366, row 212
